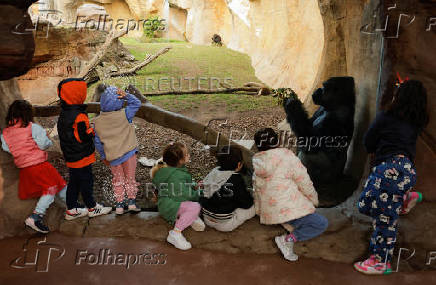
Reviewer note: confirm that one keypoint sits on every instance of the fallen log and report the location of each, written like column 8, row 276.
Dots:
column 145, row 62
column 113, row 35
column 166, row 119
column 130, row 71
column 250, row 90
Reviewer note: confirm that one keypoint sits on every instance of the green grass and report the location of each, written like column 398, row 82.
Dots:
column 186, row 60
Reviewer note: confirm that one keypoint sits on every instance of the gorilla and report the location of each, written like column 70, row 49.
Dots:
column 323, row 139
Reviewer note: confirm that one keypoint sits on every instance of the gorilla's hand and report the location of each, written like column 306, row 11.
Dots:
column 290, row 102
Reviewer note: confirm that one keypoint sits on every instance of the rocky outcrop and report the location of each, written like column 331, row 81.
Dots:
column 62, row 54
column 16, row 43
column 284, row 38
column 67, row 12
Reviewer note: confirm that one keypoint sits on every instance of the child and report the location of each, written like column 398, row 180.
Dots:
column 177, row 201
column 392, row 137
column 115, row 140
column 76, row 139
column 284, row 193
column 227, row 203
column 26, row 141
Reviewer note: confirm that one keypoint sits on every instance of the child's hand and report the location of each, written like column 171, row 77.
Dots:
column 154, row 198
column 199, row 185
column 106, row 162
column 121, row 94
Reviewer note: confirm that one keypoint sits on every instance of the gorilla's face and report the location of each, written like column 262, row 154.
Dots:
column 335, row 91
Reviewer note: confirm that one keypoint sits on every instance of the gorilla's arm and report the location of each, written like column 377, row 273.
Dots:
column 297, row 118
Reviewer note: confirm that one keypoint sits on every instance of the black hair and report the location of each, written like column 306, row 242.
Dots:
column 19, row 109
column 409, row 104
column 173, row 153
column 266, row 139
column 228, row 157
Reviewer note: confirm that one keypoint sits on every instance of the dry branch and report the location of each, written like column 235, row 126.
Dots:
column 144, row 63
column 113, row 35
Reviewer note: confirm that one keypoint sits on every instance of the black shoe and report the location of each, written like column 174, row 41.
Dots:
column 36, row 223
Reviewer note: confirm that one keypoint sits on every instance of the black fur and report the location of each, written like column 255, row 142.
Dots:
column 329, row 130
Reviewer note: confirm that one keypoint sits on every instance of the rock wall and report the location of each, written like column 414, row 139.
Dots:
column 61, row 55
column 284, row 38
column 16, row 44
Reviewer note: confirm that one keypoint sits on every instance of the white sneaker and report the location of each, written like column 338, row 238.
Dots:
column 286, row 247
column 178, row 240
column 99, row 210
column 198, row 225
column 76, row 213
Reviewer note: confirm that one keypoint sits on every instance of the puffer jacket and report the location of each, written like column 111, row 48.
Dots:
column 75, row 134
column 174, row 185
column 283, row 190
column 115, row 138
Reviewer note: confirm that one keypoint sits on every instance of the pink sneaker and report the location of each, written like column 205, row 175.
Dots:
column 410, row 201
column 372, row 267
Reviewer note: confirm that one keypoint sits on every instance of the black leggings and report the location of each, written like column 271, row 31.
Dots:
column 81, row 181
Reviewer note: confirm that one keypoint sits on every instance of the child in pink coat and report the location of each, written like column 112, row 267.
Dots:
column 284, row 193
column 27, row 142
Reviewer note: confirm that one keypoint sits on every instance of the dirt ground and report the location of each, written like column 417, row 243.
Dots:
column 153, row 139
column 58, row 259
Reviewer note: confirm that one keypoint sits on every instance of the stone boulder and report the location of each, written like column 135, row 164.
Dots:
column 16, row 43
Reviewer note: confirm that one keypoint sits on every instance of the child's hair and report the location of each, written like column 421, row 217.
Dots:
column 410, row 104
column 173, row 153
column 266, row 139
column 19, row 110
column 228, row 157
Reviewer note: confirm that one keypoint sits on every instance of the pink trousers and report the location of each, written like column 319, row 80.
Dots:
column 187, row 214
column 124, row 181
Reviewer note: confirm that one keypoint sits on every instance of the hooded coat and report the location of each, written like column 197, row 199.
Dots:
column 75, row 134
column 115, row 137
column 174, row 186
column 283, row 190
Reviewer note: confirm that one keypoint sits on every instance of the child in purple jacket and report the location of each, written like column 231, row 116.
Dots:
column 116, row 142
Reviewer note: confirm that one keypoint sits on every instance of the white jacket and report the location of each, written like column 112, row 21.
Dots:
column 283, row 190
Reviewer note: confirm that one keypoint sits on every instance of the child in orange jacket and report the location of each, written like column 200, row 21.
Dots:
column 77, row 144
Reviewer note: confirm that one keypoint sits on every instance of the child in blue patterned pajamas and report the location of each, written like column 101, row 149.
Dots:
column 392, row 137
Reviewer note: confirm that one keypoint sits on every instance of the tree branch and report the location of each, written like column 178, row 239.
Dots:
column 166, row 119
column 113, row 35
column 144, row 63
